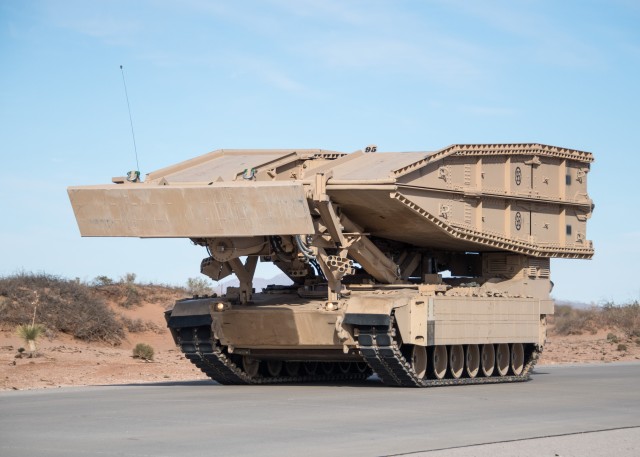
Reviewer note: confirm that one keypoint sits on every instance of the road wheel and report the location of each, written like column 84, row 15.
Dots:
column 274, row 368
column 488, row 359
column 292, row 368
column 310, row 368
column 517, row 359
column 502, row 359
column 251, row 366
column 439, row 361
column 419, row 360
column 472, row 360
column 456, row 361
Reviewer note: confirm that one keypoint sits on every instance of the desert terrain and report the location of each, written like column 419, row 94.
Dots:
column 63, row 360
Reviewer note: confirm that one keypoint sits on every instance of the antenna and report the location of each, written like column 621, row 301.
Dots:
column 133, row 135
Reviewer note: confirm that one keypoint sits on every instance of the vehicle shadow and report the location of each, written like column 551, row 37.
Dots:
column 372, row 381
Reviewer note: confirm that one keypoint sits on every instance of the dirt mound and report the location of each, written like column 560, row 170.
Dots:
column 88, row 312
column 66, row 358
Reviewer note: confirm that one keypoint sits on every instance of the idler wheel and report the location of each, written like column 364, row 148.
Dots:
column 419, row 360
column 517, row 358
column 456, row 361
column 250, row 366
column 502, row 359
column 472, row 360
column 488, row 359
column 439, row 361
column 292, row 368
column 310, row 368
column 274, row 368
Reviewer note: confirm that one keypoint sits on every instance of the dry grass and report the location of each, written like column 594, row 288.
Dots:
column 76, row 308
column 568, row 320
column 129, row 295
column 63, row 306
column 138, row 325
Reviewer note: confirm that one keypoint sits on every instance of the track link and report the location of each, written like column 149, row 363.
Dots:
column 201, row 348
column 382, row 352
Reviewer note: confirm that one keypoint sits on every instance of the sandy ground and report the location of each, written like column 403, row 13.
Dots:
column 63, row 361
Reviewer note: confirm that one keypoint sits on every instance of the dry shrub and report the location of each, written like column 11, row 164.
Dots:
column 143, row 351
column 624, row 317
column 63, row 305
column 102, row 281
column 132, row 296
column 199, row 286
column 138, row 325
column 572, row 321
column 124, row 294
column 129, row 295
column 161, row 293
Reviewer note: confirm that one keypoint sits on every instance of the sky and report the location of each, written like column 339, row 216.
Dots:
column 339, row 75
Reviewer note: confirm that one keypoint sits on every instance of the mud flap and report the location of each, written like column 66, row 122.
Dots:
column 190, row 313
column 367, row 320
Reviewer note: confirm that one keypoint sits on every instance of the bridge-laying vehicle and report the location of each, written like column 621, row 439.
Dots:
column 427, row 268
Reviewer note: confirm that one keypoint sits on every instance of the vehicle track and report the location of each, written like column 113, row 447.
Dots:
column 379, row 348
column 201, row 348
column 381, row 351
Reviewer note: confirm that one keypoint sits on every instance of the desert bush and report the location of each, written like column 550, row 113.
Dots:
column 572, row 321
column 131, row 293
column 128, row 278
column 609, row 316
column 132, row 296
column 624, row 317
column 622, row 347
column 64, row 305
column 198, row 286
column 102, row 281
column 138, row 325
column 133, row 325
column 30, row 334
column 143, row 351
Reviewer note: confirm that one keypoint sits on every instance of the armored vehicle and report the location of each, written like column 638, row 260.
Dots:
column 427, row 268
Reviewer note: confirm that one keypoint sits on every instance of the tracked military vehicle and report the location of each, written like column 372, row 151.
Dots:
column 427, row 268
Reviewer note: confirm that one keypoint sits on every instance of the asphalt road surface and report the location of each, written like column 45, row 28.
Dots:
column 562, row 411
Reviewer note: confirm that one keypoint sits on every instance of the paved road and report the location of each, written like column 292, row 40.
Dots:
column 205, row 419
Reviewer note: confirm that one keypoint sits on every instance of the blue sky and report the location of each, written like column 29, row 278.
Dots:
column 405, row 75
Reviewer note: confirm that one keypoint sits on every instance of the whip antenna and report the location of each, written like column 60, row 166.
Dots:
column 133, row 135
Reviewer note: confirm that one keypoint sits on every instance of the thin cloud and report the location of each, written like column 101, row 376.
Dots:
column 267, row 72
column 100, row 23
column 338, row 11
column 541, row 39
column 433, row 60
